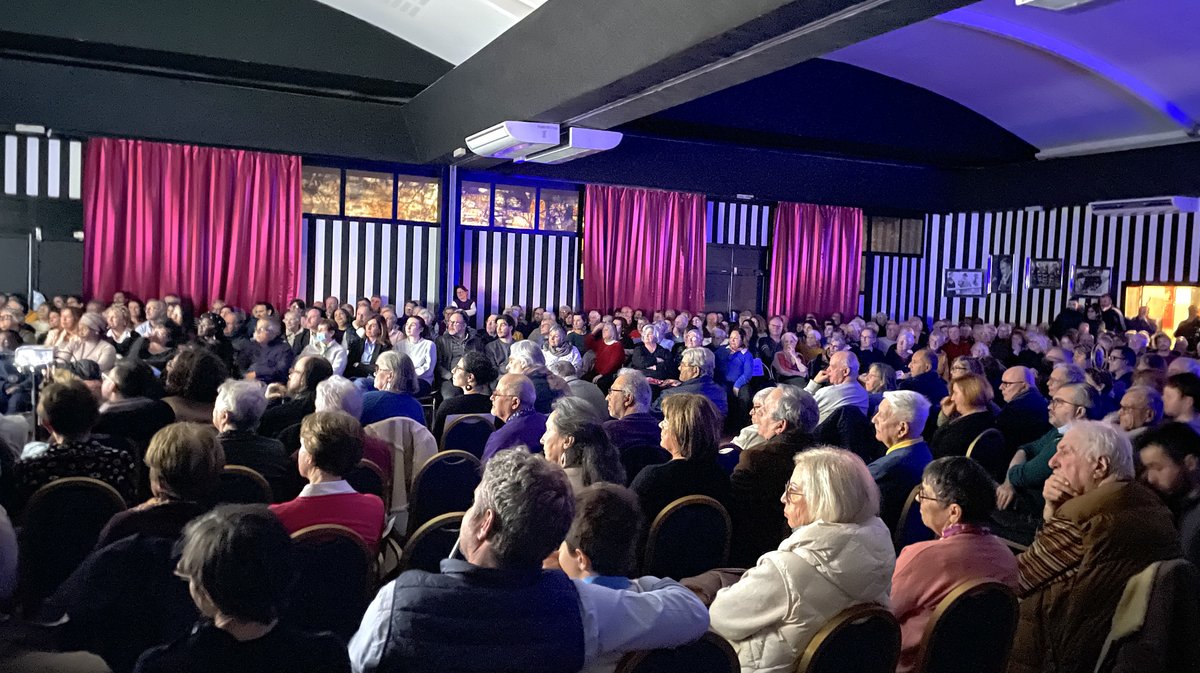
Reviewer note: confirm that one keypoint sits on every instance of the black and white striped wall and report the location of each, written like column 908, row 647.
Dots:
column 350, row 258
column 40, row 167
column 739, row 223
column 504, row 267
column 1150, row 248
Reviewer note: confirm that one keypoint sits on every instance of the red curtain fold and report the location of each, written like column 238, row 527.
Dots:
column 643, row 248
column 200, row 222
column 815, row 260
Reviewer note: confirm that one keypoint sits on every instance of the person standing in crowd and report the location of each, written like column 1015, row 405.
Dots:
column 1114, row 320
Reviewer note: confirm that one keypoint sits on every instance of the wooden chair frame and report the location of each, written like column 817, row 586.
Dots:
column 325, row 530
column 254, row 476
column 966, row 589
column 630, row 662
column 841, row 621
column 905, row 511
column 100, row 486
column 676, row 505
column 436, row 522
column 442, row 456
column 384, row 479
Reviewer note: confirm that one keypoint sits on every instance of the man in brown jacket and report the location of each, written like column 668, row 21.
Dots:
column 1101, row 528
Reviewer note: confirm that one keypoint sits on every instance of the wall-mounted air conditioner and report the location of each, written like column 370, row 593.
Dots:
column 1147, row 206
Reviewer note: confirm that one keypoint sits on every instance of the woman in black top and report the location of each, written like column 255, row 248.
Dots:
column 474, row 374
column 210, row 334
column 966, row 413
column 691, row 432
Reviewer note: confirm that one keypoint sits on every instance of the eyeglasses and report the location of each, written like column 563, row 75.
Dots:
column 792, row 491
column 1010, row 383
column 921, row 496
column 495, row 395
column 1054, row 401
column 615, row 389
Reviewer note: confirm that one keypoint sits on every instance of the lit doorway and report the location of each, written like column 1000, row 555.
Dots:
column 1168, row 303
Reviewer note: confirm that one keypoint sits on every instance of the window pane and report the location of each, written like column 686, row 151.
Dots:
column 475, row 209
column 515, row 206
column 369, row 194
column 418, row 199
column 913, row 240
column 885, row 234
column 559, row 210
column 321, row 190
column 862, row 275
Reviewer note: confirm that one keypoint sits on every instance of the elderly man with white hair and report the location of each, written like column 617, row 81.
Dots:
column 236, row 414
column 898, row 425
column 837, row 386
column 696, row 367
column 1100, row 529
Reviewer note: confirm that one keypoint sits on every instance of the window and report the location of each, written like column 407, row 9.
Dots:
column 475, row 208
column 558, row 210
column 321, row 190
column 369, row 194
column 418, row 199
column 515, row 206
column 896, row 236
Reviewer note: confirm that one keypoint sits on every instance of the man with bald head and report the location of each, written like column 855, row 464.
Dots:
column 512, row 402
column 837, row 386
column 1023, row 418
column 1141, row 409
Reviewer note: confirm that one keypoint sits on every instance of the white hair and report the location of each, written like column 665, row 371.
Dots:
column 338, row 393
column 909, row 407
column 700, row 358
column 243, row 401
column 837, row 485
column 1103, row 440
column 638, row 387
column 797, row 407
column 1183, row 365
column 527, row 354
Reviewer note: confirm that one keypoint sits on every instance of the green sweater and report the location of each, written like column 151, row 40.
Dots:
column 1029, row 477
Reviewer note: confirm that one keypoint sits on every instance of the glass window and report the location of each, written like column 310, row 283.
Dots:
column 418, row 199
column 515, row 206
column 321, row 190
column 475, row 209
column 369, row 194
column 558, row 210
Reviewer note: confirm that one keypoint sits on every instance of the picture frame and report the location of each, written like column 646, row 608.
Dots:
column 1001, row 274
column 1091, row 281
column 1045, row 274
column 964, row 283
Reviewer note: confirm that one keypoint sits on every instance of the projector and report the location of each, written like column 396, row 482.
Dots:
column 1056, row 5
column 513, row 140
column 580, row 143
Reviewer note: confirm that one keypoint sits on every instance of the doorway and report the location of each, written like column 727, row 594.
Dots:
column 1168, row 303
column 734, row 278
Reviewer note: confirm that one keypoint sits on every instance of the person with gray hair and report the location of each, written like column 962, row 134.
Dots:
column 338, row 393
column 513, row 402
column 633, row 430
column 1141, row 409
column 785, row 422
column 899, row 424
column 1100, row 528
column 236, row 415
column 522, row 511
column 696, row 367
column 268, row 357
column 1064, row 373
column 524, row 357
column 583, row 389
column 396, row 388
column 559, row 349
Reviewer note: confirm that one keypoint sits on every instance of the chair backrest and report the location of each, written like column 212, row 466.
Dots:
column 431, row 543
column 446, row 483
column 849, row 428
column 369, row 478
column 991, row 451
column 972, row 629
column 710, row 654
column 243, row 485
column 862, row 638
column 59, row 528
column 728, row 456
column 468, row 432
column 1163, row 601
column 334, row 579
column 688, row 537
column 909, row 527
column 412, row 446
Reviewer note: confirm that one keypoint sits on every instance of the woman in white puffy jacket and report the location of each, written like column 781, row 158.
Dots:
column 839, row 554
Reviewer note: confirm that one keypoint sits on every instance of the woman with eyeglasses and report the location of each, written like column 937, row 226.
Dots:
column 966, row 413
column 838, row 555
column 474, row 375
column 956, row 499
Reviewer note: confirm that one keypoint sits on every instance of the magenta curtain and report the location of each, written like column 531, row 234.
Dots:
column 643, row 248
column 815, row 260
column 201, row 222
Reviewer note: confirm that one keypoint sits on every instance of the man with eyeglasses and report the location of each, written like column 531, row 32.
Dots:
column 1141, row 409
column 1120, row 364
column 633, row 430
column 450, row 346
column 1020, row 498
column 1024, row 415
column 512, row 402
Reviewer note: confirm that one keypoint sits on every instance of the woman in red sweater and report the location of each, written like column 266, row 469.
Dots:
column 330, row 448
column 610, row 356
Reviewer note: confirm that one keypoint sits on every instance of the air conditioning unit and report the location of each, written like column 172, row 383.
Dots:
column 1148, row 206
column 1056, row 5
column 580, row 143
column 513, row 140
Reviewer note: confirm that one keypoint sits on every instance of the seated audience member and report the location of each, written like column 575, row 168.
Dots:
column 787, row 363
column 293, row 327
column 898, row 426
column 837, row 385
column 299, row 399
column 330, row 448
column 236, row 416
column 237, row 561
column 601, row 545
column 421, row 350
column 185, row 462
column 522, row 512
column 91, row 345
column 867, row 348
column 161, row 345
column 956, row 499
column 610, row 354
column 337, row 393
column 192, row 378
column 324, row 345
column 497, row 349
column 785, row 423
column 923, row 378
column 1120, row 363
column 586, row 390
column 1141, row 410
column 1181, row 399
column 525, row 357
column 574, row 440
column 128, row 410
column 68, row 411
column 1170, row 459
column 211, row 336
column 691, row 434
column 512, row 402
column 68, row 326
column 309, row 321
column 1183, row 365
column 749, row 437
column 1064, row 374
column 900, row 354
column 364, row 353
column 1023, row 418
column 967, row 410
column 396, row 389
column 696, row 378
column 474, row 375
column 878, row 379
column 268, row 357
column 559, row 349
column 120, row 334
column 1101, row 528
column 451, row 346
column 735, row 362
column 838, row 555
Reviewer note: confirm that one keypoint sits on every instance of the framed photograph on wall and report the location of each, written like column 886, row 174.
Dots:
column 1002, row 274
column 1045, row 274
column 963, row 283
column 1092, row 281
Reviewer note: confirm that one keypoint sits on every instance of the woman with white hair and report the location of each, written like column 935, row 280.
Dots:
column 650, row 357
column 524, row 357
column 338, row 393
column 91, row 344
column 839, row 554
column 396, row 385
column 559, row 349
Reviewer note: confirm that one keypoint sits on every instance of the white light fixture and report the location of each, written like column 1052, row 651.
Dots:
column 1056, row 5
column 513, row 140
column 580, row 143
